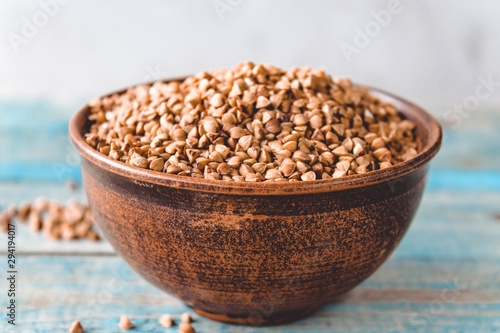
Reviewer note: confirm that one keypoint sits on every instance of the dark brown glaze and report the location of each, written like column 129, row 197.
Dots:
column 255, row 253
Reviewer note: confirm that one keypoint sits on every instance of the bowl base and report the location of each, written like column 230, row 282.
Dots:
column 258, row 320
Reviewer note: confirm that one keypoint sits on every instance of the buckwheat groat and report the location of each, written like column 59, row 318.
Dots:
column 186, row 328
column 252, row 123
column 166, row 321
column 186, row 318
column 76, row 327
column 125, row 323
column 4, row 222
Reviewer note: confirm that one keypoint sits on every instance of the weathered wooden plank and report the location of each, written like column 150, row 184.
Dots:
column 453, row 179
column 404, row 295
column 36, row 136
column 15, row 193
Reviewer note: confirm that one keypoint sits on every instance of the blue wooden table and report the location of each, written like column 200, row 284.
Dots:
column 443, row 277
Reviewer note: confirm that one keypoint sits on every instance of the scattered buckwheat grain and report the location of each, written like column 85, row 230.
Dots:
column 125, row 323
column 166, row 320
column 12, row 212
column 57, row 221
column 23, row 212
column 186, row 318
column 4, row 221
column 76, row 327
column 252, row 123
column 72, row 185
column 186, row 328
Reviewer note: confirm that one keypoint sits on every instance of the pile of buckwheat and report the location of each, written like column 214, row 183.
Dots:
column 252, row 123
column 57, row 221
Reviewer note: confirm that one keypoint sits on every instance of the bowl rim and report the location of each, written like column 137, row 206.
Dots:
column 146, row 177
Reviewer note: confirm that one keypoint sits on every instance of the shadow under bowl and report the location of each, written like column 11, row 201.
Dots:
column 255, row 253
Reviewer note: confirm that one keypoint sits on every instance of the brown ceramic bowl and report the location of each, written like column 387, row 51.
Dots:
column 255, row 253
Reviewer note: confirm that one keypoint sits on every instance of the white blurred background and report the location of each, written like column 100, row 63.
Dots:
column 431, row 52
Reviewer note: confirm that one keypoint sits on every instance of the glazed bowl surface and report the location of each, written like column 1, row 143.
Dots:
column 255, row 253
